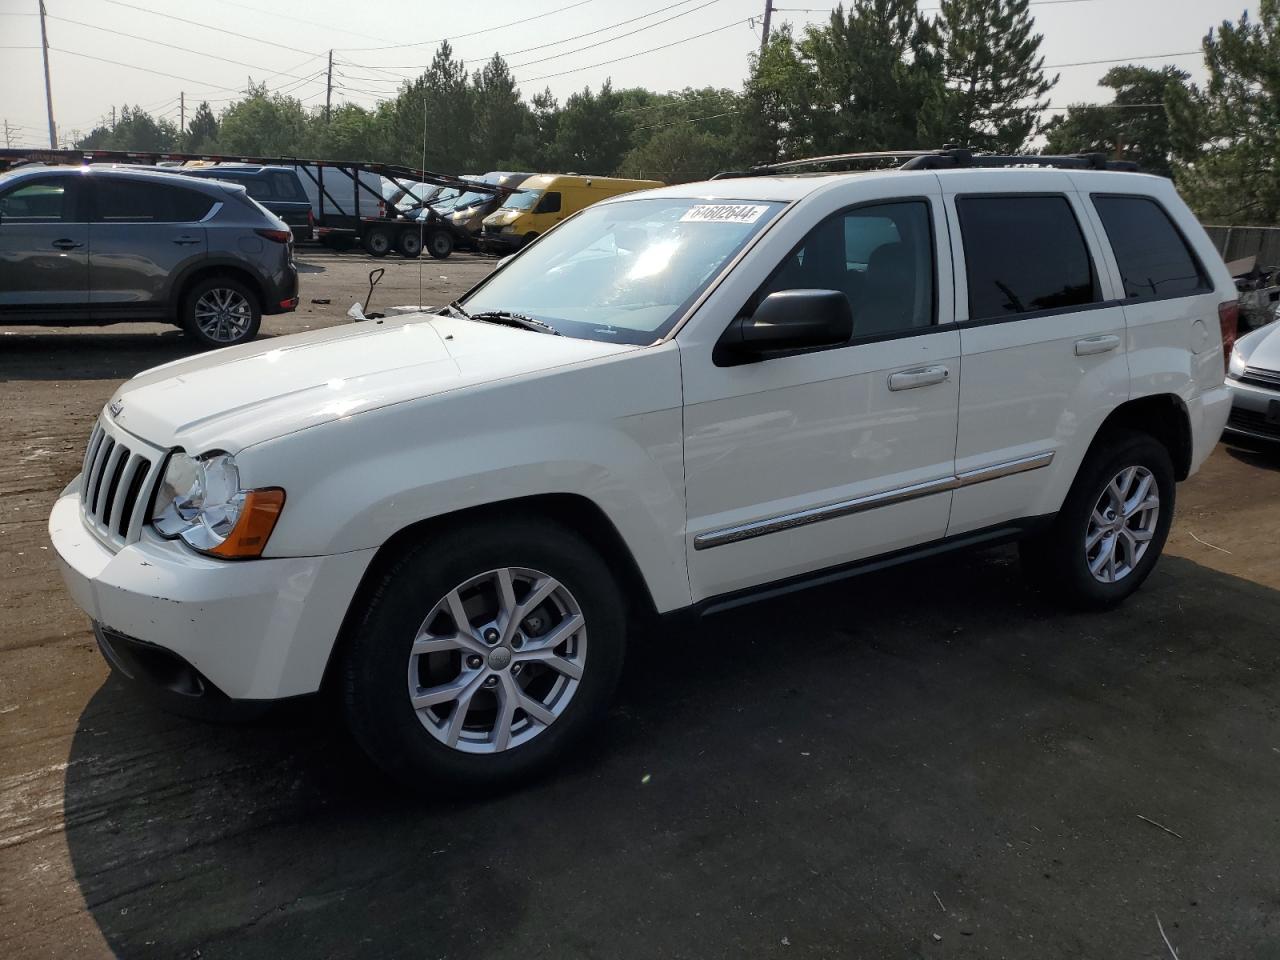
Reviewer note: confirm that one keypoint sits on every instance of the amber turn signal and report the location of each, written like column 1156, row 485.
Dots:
column 258, row 518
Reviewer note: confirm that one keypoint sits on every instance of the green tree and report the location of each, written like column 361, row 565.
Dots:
column 1134, row 126
column 265, row 124
column 993, row 74
column 535, row 145
column 202, row 130
column 135, row 130
column 677, row 153
column 439, row 104
column 778, row 118
column 875, row 68
column 500, row 115
column 592, row 135
column 1227, row 135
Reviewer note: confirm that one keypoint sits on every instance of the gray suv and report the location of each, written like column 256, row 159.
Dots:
column 109, row 246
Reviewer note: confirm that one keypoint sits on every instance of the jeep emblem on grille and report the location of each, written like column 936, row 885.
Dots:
column 116, row 408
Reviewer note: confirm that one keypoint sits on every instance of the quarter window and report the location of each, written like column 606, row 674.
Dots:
column 879, row 256
column 1024, row 254
column 1153, row 257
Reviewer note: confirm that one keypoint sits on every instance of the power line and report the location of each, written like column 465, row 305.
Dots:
column 556, row 56
column 204, row 26
column 1151, row 56
column 458, row 36
column 632, row 56
column 171, row 46
column 303, row 20
column 159, row 73
column 621, row 36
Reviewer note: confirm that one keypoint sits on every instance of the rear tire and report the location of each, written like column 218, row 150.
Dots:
column 220, row 312
column 1107, row 538
column 409, row 244
column 440, row 244
column 407, row 644
column 377, row 242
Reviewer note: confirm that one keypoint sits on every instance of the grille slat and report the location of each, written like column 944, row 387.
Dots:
column 119, row 475
column 1253, row 422
column 1262, row 377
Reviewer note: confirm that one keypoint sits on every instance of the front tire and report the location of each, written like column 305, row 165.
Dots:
column 220, row 312
column 1109, row 534
column 480, row 705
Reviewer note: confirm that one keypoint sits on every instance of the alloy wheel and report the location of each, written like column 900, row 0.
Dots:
column 497, row 660
column 223, row 315
column 1122, row 524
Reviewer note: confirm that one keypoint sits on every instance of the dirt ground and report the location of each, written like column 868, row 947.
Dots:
column 931, row 762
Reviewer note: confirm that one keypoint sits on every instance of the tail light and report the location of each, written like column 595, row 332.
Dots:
column 311, row 220
column 1228, row 320
column 279, row 236
column 382, row 208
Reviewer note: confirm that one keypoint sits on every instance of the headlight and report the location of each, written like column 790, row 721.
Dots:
column 200, row 501
column 509, row 228
column 1235, row 367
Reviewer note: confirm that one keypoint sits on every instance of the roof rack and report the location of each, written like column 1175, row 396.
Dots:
column 948, row 158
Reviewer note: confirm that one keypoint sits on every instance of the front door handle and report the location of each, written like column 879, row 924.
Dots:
column 184, row 241
column 65, row 244
column 1093, row 345
column 918, row 377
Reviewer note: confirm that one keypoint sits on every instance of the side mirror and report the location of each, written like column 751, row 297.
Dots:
column 787, row 321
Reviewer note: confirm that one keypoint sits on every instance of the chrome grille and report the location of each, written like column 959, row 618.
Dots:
column 1262, row 377
column 118, row 476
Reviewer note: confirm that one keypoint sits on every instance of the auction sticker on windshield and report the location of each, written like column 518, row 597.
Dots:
column 724, row 213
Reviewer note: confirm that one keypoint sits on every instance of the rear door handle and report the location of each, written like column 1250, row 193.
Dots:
column 918, row 377
column 184, row 241
column 67, row 244
column 1092, row 345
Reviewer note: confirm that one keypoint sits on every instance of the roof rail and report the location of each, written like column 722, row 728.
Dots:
column 948, row 158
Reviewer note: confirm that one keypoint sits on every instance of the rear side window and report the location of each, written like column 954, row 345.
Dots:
column 138, row 201
column 1153, row 257
column 1024, row 254
column 286, row 186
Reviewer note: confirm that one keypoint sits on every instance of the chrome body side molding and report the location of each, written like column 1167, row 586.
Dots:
column 843, row 508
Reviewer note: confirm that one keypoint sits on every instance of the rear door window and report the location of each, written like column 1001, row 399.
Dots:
column 1024, row 254
column 1154, row 259
column 138, row 201
column 285, row 186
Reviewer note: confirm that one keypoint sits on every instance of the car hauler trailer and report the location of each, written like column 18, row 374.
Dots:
column 349, row 205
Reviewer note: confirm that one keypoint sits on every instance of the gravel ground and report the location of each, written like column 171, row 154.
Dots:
column 931, row 762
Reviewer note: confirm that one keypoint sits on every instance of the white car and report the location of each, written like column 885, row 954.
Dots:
column 1254, row 378
column 678, row 400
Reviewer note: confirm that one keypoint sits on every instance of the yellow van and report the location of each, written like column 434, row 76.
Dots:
column 545, row 200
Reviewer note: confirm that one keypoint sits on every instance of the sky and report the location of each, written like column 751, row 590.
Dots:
column 286, row 43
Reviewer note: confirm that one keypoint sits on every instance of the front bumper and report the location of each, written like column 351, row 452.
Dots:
column 1255, row 411
column 501, row 242
column 255, row 630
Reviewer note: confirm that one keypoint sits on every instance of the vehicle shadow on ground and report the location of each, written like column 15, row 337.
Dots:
column 90, row 356
column 1257, row 454
column 929, row 761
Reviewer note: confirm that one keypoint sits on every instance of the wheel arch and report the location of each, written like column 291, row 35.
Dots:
column 218, row 268
column 575, row 512
column 1164, row 417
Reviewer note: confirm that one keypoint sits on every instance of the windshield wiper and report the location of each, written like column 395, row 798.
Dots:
column 509, row 319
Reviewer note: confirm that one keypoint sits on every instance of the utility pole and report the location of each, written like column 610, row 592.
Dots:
column 768, row 17
column 8, row 134
column 328, row 90
column 48, row 89
column 113, row 118
column 182, row 117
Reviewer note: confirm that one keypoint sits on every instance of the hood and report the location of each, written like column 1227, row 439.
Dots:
column 1261, row 347
column 502, row 217
column 229, row 399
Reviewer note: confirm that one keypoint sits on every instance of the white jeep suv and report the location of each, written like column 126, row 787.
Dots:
column 677, row 400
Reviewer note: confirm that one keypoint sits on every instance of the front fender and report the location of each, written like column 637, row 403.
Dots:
column 608, row 431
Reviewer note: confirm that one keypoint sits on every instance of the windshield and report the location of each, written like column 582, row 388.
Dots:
column 524, row 200
column 624, row 272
